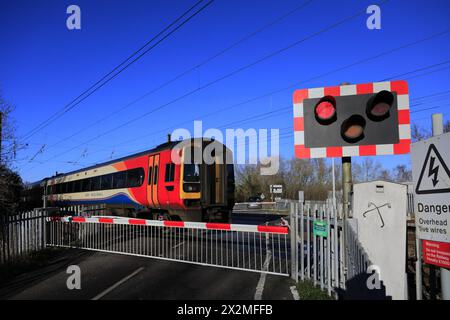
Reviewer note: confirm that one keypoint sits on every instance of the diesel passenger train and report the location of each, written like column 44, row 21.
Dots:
column 151, row 184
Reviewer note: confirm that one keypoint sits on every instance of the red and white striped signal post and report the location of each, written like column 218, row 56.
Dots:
column 352, row 120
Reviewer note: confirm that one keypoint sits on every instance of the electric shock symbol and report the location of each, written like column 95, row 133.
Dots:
column 438, row 174
column 433, row 171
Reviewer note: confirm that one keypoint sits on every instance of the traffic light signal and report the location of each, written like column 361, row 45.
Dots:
column 352, row 120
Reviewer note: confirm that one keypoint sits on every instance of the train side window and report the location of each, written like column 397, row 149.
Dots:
column 170, row 172
column 78, row 185
column 106, row 182
column 119, row 179
column 135, row 177
column 86, row 185
column 95, row 183
column 155, row 177
column 150, row 169
column 70, row 187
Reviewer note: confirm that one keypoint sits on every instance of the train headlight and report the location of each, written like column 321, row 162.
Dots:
column 191, row 187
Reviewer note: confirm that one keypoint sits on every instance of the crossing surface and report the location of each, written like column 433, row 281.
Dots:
column 113, row 276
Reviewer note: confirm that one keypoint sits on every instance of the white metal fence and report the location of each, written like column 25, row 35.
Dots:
column 312, row 247
column 329, row 254
column 21, row 234
column 245, row 247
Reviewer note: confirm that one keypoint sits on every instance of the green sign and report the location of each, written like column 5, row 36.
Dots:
column 320, row 228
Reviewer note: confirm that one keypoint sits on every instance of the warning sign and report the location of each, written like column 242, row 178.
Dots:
column 434, row 176
column 436, row 253
column 431, row 176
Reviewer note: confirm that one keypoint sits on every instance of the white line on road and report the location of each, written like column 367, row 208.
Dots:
column 114, row 286
column 262, row 278
column 295, row 293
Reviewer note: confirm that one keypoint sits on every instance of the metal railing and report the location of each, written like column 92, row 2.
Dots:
column 324, row 255
column 243, row 247
column 280, row 207
column 321, row 255
column 358, row 260
column 21, row 234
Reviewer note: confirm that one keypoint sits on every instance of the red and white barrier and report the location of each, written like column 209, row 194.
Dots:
column 177, row 224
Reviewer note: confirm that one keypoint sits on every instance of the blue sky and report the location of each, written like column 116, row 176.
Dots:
column 43, row 66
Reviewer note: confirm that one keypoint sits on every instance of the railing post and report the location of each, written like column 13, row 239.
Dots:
column 301, row 236
column 294, row 241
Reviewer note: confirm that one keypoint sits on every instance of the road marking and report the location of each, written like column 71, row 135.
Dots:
column 114, row 286
column 262, row 278
column 295, row 293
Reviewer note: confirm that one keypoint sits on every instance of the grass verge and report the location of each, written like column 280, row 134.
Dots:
column 307, row 291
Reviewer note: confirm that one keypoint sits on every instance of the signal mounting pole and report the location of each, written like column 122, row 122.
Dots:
column 346, row 189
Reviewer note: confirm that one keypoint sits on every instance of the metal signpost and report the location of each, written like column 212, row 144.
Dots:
column 431, row 176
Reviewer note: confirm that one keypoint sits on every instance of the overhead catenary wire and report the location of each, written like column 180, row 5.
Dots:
column 122, row 66
column 311, row 79
column 182, row 74
column 238, row 70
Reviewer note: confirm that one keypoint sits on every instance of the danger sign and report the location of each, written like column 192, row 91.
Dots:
column 430, row 163
column 434, row 176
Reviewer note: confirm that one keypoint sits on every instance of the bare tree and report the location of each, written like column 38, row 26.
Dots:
column 9, row 144
column 419, row 133
column 402, row 173
column 10, row 182
column 367, row 170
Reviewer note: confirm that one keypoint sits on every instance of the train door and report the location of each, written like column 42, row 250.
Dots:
column 168, row 190
column 214, row 182
column 219, row 190
column 152, row 181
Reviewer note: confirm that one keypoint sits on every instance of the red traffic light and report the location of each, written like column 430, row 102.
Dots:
column 325, row 110
column 379, row 106
column 352, row 129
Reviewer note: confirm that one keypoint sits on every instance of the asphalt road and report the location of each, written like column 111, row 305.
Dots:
column 115, row 276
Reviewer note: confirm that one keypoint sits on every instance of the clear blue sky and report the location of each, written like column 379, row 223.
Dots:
column 43, row 66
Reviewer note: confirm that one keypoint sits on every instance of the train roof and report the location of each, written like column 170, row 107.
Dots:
column 163, row 146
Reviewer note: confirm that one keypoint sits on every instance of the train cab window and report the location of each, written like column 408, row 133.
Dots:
column 191, row 172
column 119, row 180
column 135, row 177
column 150, row 169
column 86, row 185
column 170, row 172
column 155, row 177
column 106, row 182
column 95, row 183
